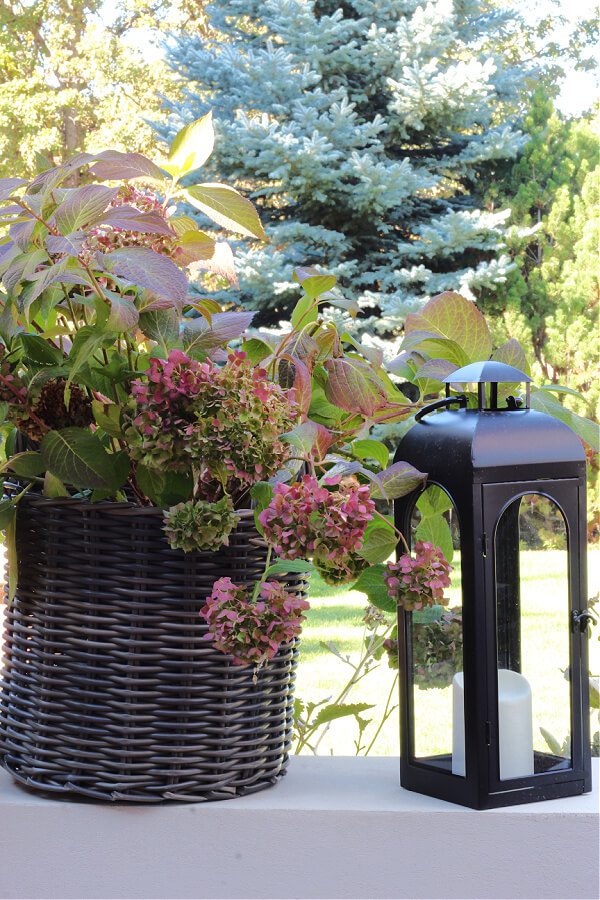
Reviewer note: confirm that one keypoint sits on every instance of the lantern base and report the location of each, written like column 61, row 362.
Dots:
column 433, row 777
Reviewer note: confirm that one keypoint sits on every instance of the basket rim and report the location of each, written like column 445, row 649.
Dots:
column 122, row 507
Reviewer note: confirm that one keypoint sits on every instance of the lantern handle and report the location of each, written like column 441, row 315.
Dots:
column 444, row 403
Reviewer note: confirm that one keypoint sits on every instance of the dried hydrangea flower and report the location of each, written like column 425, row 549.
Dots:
column 226, row 421
column 419, row 581
column 308, row 519
column 252, row 631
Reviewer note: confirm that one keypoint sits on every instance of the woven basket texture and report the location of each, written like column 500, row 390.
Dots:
column 109, row 689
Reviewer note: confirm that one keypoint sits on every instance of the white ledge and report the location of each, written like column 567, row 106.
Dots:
column 334, row 827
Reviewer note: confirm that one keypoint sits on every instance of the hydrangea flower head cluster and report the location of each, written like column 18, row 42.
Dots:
column 419, row 581
column 252, row 631
column 226, row 421
column 106, row 238
column 200, row 525
column 308, row 519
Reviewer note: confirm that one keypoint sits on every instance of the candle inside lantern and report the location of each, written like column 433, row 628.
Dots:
column 515, row 725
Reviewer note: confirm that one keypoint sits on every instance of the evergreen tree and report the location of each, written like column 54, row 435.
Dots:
column 549, row 301
column 364, row 130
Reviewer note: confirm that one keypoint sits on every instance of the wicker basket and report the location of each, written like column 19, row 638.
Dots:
column 109, row 689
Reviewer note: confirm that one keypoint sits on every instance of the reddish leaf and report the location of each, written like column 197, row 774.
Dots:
column 199, row 335
column 8, row 186
column 453, row 318
column 147, row 269
column 69, row 243
column 131, row 219
column 82, row 206
column 396, row 481
column 352, row 385
column 323, row 441
column 301, row 385
column 114, row 165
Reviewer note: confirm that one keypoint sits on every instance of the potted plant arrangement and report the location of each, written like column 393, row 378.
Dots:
column 168, row 473
column 173, row 475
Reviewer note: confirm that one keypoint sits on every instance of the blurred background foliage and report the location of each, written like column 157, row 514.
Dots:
column 318, row 105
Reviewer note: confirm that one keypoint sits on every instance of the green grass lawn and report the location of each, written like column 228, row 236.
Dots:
column 336, row 616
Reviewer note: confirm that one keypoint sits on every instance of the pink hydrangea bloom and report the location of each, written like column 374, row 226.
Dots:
column 308, row 519
column 419, row 581
column 251, row 632
column 226, row 420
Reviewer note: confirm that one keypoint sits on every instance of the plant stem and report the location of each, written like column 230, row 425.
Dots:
column 386, row 714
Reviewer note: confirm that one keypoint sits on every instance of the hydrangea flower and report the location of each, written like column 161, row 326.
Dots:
column 200, row 525
column 106, row 238
column 419, row 581
column 308, row 519
column 252, row 631
column 224, row 420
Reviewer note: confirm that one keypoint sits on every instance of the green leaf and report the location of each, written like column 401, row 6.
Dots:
column 433, row 501
column 4, row 407
column 379, row 542
column 162, row 326
column 27, row 464
column 321, row 410
column 513, row 354
column 53, row 486
column 256, row 350
column 430, row 344
column 396, row 481
column 192, row 146
column 77, row 457
column 227, row 208
column 313, row 282
column 436, row 530
column 262, row 494
column 338, row 711
column 370, row 449
column 304, row 312
column 553, row 744
column 108, row 417
column 164, row 488
column 85, row 343
column 452, row 317
column 371, row 583
column 427, row 615
column 285, row 566
column 39, row 350
column 587, row 430
column 7, row 511
column 303, row 437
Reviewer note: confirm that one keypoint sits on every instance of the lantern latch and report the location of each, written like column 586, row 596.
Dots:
column 581, row 618
column 445, row 403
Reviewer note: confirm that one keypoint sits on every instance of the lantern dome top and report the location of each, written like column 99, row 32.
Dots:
column 488, row 372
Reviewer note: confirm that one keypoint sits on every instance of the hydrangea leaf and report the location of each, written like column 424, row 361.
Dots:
column 77, row 457
column 371, row 583
column 454, row 318
column 192, row 146
column 396, row 481
column 227, row 208
column 82, row 206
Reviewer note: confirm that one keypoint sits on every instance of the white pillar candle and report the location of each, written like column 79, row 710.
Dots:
column 515, row 725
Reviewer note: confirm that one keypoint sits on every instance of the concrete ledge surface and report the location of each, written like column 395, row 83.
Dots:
column 335, row 827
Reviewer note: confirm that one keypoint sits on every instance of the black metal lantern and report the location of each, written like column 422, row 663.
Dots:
column 494, row 691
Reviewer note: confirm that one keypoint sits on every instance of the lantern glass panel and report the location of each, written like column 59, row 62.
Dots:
column 532, row 621
column 436, row 641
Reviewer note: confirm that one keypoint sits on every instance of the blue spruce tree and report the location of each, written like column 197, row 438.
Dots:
column 366, row 131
